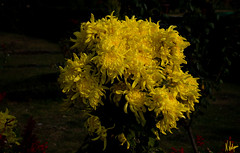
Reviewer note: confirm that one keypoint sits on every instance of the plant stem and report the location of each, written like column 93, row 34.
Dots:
column 193, row 142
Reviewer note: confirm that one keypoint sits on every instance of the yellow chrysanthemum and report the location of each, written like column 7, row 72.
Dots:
column 94, row 127
column 110, row 57
column 135, row 101
column 165, row 103
column 139, row 62
column 121, row 137
column 184, row 87
column 120, row 86
column 188, row 92
column 88, row 88
column 77, row 81
column 73, row 71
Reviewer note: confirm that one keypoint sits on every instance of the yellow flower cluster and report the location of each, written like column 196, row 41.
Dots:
column 134, row 59
column 7, row 125
column 78, row 81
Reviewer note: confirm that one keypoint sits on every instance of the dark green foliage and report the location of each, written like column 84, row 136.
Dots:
column 141, row 138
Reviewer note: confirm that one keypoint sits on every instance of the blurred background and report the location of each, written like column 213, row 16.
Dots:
column 34, row 42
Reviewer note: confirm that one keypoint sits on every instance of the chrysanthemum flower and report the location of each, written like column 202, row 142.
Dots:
column 165, row 103
column 135, row 101
column 78, row 81
column 121, row 137
column 94, row 127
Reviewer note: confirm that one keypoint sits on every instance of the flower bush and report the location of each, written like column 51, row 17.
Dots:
column 127, row 76
column 8, row 136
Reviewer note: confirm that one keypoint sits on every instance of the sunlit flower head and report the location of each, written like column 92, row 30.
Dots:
column 167, row 108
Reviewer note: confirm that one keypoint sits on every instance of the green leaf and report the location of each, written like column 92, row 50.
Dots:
column 151, row 142
column 211, row 24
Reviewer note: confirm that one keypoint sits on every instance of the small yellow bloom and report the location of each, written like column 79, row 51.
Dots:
column 229, row 147
column 121, row 137
column 94, row 127
column 102, row 135
column 135, row 101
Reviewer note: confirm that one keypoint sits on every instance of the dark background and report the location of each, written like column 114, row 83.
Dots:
column 29, row 77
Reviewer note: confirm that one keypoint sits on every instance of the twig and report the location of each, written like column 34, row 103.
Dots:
column 193, row 142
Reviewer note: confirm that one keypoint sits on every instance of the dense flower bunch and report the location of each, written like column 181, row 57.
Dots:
column 136, row 66
column 7, row 126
